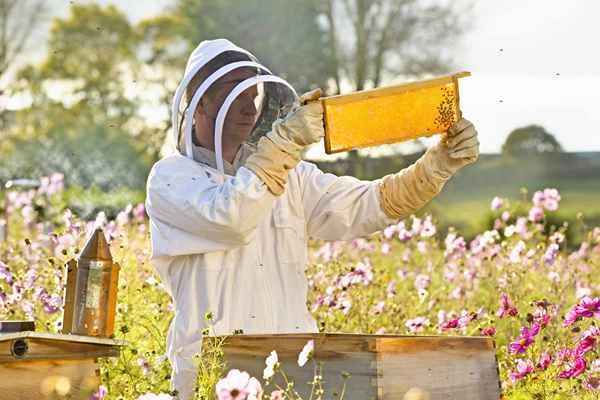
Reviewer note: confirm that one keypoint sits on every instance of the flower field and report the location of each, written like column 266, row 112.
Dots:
column 521, row 282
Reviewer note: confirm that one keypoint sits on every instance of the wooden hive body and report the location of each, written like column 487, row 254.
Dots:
column 380, row 366
column 31, row 362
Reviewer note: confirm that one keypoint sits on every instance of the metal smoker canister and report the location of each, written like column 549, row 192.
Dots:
column 91, row 290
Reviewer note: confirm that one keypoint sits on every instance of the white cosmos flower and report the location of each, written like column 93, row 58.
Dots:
column 271, row 363
column 306, row 353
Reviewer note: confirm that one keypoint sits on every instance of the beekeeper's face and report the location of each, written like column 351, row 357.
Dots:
column 242, row 114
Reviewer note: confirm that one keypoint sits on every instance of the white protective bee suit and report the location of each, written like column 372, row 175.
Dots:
column 232, row 239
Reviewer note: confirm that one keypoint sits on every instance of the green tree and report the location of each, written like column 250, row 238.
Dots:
column 285, row 35
column 85, row 98
column 374, row 41
column 530, row 140
column 90, row 59
column 18, row 20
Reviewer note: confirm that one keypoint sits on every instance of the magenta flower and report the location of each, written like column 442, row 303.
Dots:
column 587, row 308
column 544, row 361
column 525, row 340
column 506, row 307
column 451, row 324
column 524, row 368
column 586, row 344
column 541, row 317
column 574, row 368
column 489, row 331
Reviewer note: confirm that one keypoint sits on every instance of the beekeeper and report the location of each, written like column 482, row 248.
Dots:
column 231, row 212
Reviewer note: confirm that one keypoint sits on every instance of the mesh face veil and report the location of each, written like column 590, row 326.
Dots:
column 273, row 97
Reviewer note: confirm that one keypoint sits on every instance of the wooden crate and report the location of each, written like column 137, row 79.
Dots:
column 381, row 366
column 37, row 365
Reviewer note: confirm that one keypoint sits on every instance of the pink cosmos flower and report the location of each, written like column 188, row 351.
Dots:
column 551, row 253
column 574, row 368
column 139, row 212
column 378, row 308
column 389, row 231
column 547, row 199
column 144, row 365
column 238, row 385
column 586, row 344
column 515, row 254
column 403, row 233
column 525, row 340
column 592, row 383
column 587, row 308
column 490, row 331
column 506, row 307
column 541, row 317
column 450, row 324
column 497, row 203
column 563, row 355
column 276, row 395
column 422, row 281
column 455, row 245
column 428, row 229
column 544, row 361
column 536, row 214
column 385, row 248
column 417, row 325
column 524, row 368
column 391, row 289
column 99, row 394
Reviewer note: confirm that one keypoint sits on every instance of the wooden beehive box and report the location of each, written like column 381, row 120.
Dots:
column 383, row 367
column 37, row 365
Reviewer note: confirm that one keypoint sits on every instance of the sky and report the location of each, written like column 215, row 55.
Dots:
column 532, row 62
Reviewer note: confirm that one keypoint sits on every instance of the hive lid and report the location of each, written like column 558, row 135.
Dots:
column 62, row 337
column 96, row 248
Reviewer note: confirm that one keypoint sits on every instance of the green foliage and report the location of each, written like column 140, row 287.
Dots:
column 98, row 156
column 530, row 140
column 284, row 35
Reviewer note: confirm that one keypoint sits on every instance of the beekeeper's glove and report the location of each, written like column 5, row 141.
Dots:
column 407, row 191
column 280, row 150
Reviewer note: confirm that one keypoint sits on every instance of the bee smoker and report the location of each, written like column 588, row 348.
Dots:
column 91, row 290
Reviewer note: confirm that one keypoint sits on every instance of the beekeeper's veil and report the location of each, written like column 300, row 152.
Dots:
column 275, row 95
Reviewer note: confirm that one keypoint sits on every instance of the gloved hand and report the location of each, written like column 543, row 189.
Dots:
column 303, row 126
column 405, row 192
column 280, row 150
column 458, row 148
